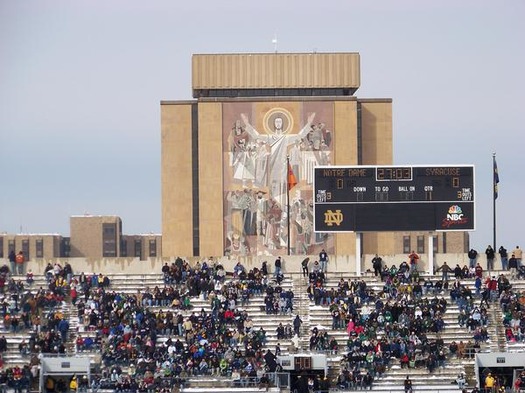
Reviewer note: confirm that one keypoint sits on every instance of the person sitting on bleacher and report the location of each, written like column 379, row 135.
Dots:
column 57, row 269
column 428, row 287
column 403, row 272
column 48, row 272
column 238, row 269
column 465, row 272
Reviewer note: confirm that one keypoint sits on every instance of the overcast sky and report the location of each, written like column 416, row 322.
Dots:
column 81, row 84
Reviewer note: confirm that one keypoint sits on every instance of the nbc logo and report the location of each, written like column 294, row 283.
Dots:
column 454, row 213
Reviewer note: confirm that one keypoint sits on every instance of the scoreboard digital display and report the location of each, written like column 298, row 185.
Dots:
column 394, row 198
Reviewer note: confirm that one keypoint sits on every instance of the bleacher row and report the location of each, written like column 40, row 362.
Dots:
column 312, row 315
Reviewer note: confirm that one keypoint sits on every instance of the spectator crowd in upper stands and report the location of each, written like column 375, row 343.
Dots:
column 155, row 337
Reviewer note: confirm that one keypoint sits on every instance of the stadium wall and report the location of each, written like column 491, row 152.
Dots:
column 340, row 264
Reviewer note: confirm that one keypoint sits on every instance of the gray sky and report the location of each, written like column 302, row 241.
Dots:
column 81, row 82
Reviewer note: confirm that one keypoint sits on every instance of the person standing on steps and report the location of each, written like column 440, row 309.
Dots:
column 489, row 252
column 20, row 261
column 490, row 383
column 504, row 256
column 472, row 255
column 297, row 322
column 445, row 270
column 518, row 255
column 12, row 262
column 413, row 257
column 323, row 260
column 408, row 385
column 304, row 265
column 513, row 266
column 278, row 266
column 377, row 264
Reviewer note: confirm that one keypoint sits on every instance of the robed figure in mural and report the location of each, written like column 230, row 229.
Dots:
column 257, row 220
column 278, row 142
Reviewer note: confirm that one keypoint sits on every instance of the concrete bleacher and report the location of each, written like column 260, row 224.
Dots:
column 518, row 286
column 320, row 316
column 441, row 380
column 229, row 389
column 254, row 308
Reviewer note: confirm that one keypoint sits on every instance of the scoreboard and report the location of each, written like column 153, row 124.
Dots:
column 393, row 198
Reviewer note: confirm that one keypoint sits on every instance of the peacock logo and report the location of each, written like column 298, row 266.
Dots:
column 454, row 210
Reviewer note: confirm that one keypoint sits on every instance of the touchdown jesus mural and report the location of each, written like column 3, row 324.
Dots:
column 259, row 140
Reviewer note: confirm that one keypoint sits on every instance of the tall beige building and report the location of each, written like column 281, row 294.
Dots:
column 226, row 154
column 255, row 118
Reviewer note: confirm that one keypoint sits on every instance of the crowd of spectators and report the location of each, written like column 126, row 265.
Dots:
column 512, row 305
column 151, row 333
column 35, row 312
column 17, row 378
column 147, row 332
column 393, row 322
column 158, row 337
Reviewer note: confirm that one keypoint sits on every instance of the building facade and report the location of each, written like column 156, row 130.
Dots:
column 92, row 236
column 95, row 236
column 456, row 242
column 227, row 155
column 34, row 245
column 141, row 246
column 100, row 236
column 237, row 160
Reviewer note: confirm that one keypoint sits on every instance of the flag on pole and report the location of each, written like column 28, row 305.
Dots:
column 292, row 180
column 496, row 179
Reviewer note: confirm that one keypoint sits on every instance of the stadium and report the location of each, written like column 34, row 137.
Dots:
column 291, row 299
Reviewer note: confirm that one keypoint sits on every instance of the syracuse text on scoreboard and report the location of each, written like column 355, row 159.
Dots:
column 394, row 198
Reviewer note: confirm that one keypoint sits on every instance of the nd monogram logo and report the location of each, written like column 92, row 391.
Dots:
column 331, row 218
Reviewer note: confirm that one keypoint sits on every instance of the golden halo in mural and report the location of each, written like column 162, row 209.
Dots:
column 278, row 121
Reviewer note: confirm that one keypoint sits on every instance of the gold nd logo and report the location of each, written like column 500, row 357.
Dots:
column 331, row 218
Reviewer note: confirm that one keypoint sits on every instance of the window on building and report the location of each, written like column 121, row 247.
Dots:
column 406, row 245
column 435, row 244
column 1, row 247
column 420, row 244
column 39, row 248
column 11, row 247
column 153, row 248
column 25, row 249
column 65, row 247
column 109, row 240
column 138, row 248
column 124, row 248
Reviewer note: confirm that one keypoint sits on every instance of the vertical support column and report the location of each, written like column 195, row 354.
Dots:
column 358, row 253
column 430, row 254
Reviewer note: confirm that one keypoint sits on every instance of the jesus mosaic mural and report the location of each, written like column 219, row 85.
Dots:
column 260, row 140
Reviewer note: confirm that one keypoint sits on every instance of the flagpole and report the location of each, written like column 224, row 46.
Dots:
column 288, row 199
column 494, row 197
